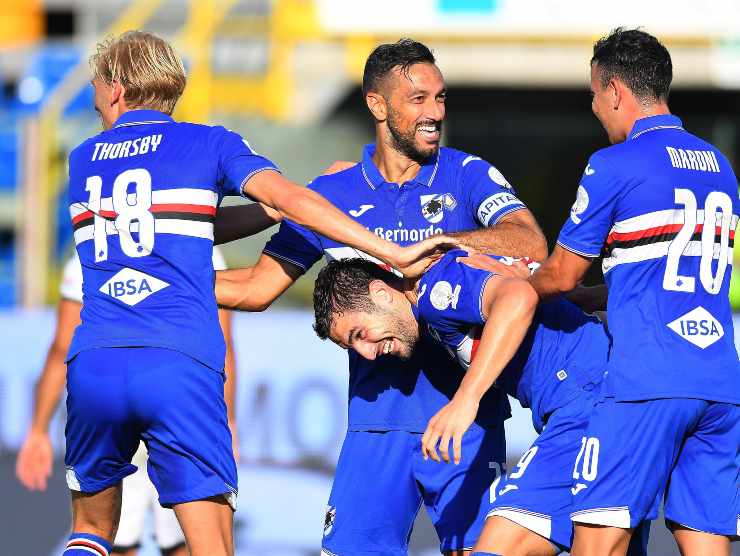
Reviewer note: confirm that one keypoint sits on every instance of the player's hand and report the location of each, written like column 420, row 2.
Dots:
column 517, row 269
column 414, row 260
column 35, row 458
column 338, row 166
column 450, row 423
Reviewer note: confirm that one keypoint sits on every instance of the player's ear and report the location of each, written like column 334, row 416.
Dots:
column 117, row 92
column 377, row 105
column 380, row 293
column 616, row 90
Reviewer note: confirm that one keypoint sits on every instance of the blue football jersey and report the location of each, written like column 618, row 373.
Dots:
column 663, row 206
column 564, row 350
column 143, row 197
column 452, row 192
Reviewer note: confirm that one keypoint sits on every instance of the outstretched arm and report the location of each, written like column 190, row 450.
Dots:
column 35, row 458
column 508, row 305
column 309, row 209
column 515, row 235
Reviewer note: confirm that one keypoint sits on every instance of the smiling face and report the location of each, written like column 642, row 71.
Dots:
column 415, row 101
column 385, row 331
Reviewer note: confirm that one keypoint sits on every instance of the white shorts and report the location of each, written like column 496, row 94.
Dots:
column 139, row 496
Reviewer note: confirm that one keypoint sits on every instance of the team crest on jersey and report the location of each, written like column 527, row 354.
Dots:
column 329, row 517
column 580, row 206
column 442, row 295
column 131, row 286
column 698, row 327
column 433, row 207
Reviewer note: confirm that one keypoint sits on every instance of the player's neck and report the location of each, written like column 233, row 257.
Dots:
column 409, row 290
column 394, row 166
column 639, row 112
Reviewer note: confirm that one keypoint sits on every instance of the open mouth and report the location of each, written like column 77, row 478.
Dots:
column 429, row 131
column 387, row 346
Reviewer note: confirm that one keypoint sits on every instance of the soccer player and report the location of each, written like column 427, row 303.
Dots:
column 35, row 457
column 405, row 188
column 550, row 358
column 146, row 362
column 663, row 205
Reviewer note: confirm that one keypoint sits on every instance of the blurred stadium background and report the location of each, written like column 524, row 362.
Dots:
column 286, row 74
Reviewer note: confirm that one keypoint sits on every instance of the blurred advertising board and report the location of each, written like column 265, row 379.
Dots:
column 550, row 18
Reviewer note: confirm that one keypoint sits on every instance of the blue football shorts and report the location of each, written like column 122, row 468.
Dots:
column 686, row 451
column 175, row 404
column 537, row 493
column 382, row 480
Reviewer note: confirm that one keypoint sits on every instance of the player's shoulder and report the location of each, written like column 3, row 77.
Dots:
column 85, row 149
column 459, row 159
column 440, row 288
column 445, row 268
column 471, row 166
column 211, row 132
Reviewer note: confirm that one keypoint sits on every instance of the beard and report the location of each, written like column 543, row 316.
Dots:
column 408, row 338
column 405, row 141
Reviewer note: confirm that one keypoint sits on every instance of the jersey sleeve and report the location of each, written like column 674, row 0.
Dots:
column 218, row 260
column 237, row 162
column 71, row 285
column 491, row 196
column 295, row 244
column 455, row 295
column 592, row 214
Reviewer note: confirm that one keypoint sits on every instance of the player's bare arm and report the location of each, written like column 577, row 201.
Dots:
column 240, row 221
column 309, row 209
column 561, row 272
column 515, row 235
column 35, row 458
column 508, row 305
column 255, row 288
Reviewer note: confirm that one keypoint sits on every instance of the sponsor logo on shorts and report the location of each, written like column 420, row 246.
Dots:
column 578, row 488
column 131, row 286
column 506, row 489
column 73, row 482
column 698, row 327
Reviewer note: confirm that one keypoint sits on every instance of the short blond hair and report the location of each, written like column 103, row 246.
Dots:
column 146, row 65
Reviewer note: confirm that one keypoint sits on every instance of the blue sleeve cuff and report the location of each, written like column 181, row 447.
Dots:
column 579, row 249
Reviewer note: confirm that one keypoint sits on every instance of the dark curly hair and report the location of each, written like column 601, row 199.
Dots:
column 344, row 285
column 638, row 59
column 386, row 57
